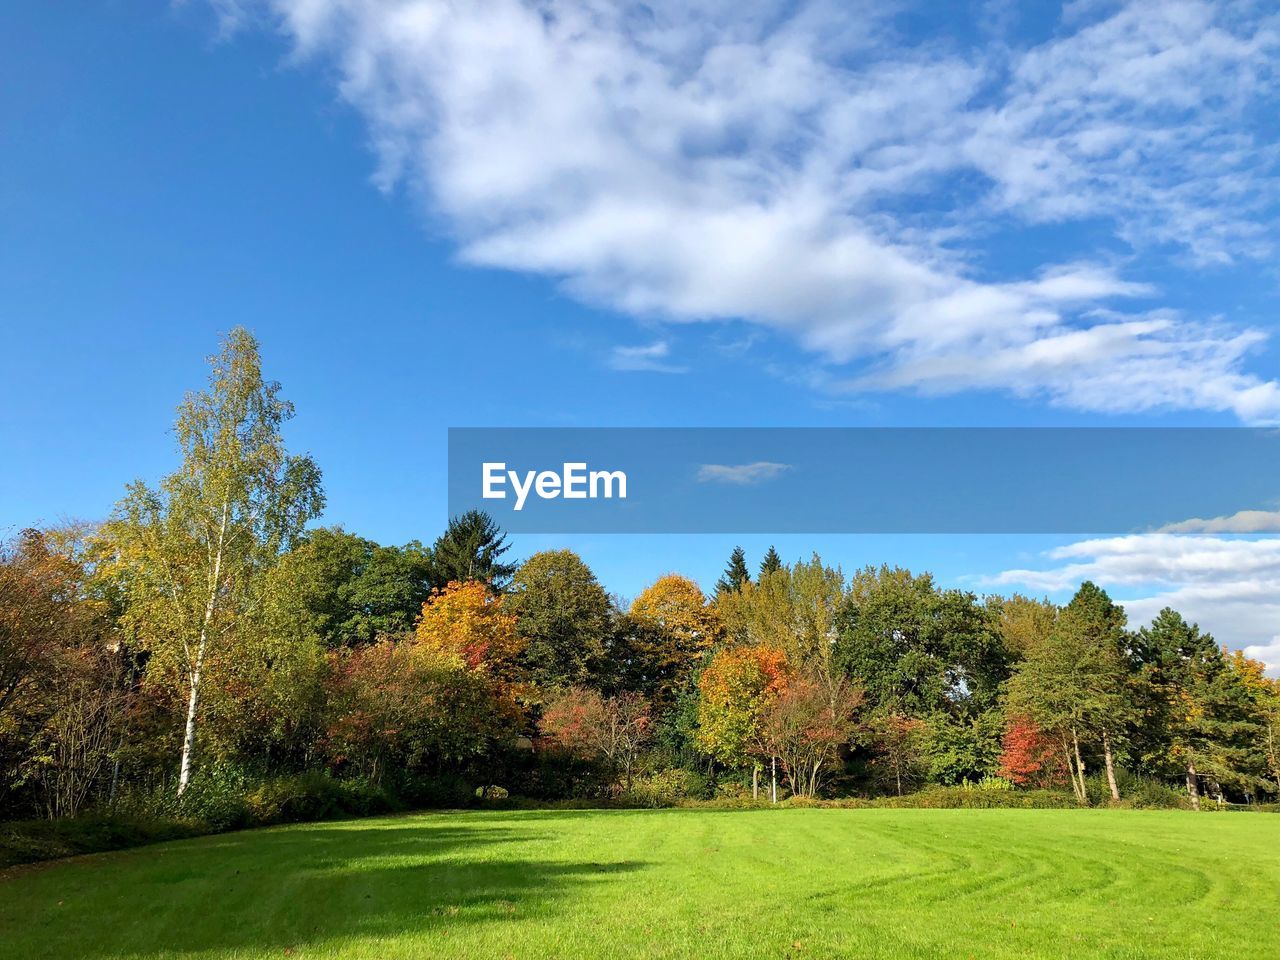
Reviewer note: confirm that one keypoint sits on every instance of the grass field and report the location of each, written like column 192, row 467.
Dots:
column 674, row 883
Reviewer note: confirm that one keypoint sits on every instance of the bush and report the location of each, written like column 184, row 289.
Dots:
column 27, row 841
column 663, row 788
column 311, row 796
column 970, row 798
column 439, row 791
column 1147, row 794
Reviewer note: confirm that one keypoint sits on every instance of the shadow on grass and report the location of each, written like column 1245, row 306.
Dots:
column 279, row 890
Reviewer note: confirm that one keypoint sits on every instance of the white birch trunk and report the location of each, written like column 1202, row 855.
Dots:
column 193, row 699
column 1111, row 767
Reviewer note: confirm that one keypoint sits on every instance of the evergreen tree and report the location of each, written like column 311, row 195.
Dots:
column 1206, row 715
column 771, row 563
column 735, row 574
column 470, row 549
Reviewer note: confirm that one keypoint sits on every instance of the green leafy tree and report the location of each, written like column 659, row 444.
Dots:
column 1076, row 684
column 352, row 590
column 735, row 573
column 471, row 548
column 564, row 615
column 192, row 556
column 916, row 649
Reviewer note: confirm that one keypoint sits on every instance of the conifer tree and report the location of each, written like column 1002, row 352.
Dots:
column 735, row 574
column 771, row 563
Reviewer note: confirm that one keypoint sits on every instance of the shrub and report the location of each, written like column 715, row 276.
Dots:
column 27, row 841
column 663, row 788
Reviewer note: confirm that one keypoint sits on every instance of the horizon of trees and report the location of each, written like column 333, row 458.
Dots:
column 206, row 634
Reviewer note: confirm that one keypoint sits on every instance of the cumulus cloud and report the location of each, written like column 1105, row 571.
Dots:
column 742, row 474
column 808, row 169
column 1231, row 586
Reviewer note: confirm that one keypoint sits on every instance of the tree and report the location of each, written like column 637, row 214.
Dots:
column 898, row 742
column 1208, row 718
column 1076, row 683
column 918, row 650
column 807, row 726
column 1025, row 623
column 590, row 726
column 673, row 627
column 771, row 562
column 1029, row 757
column 735, row 574
column 43, row 610
column 793, row 608
column 467, row 625
column 564, row 615
column 736, row 690
column 191, row 556
column 1265, row 694
column 471, row 548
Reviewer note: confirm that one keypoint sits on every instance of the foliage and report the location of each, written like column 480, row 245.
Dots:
column 808, row 726
column 737, row 690
column 735, row 573
column 613, row 729
column 471, row 548
column 1029, row 757
column 564, row 616
column 191, row 558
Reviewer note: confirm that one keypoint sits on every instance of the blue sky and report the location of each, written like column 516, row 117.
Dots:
column 576, row 213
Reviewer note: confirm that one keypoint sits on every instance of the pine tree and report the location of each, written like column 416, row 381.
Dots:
column 470, row 549
column 735, row 574
column 1209, row 722
column 771, row 563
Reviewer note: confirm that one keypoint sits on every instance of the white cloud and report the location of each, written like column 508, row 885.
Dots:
column 1230, row 586
column 742, row 474
column 1242, row 521
column 648, row 357
column 810, row 171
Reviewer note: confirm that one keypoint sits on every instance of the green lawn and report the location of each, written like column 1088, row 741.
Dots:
column 674, row 883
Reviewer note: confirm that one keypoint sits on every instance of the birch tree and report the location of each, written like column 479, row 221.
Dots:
column 191, row 555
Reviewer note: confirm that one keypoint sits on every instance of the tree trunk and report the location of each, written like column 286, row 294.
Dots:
column 1084, row 793
column 1193, row 786
column 1111, row 767
column 193, row 700
column 189, row 732
column 755, row 781
column 1071, row 768
column 773, row 786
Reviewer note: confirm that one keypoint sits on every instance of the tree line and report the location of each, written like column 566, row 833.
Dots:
column 206, row 635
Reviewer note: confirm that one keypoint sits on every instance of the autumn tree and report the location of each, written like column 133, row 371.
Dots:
column 675, row 627
column 1029, row 756
column 807, row 726
column 190, row 556
column 591, row 726
column 736, row 691
column 793, row 608
column 465, row 623
column 564, row 615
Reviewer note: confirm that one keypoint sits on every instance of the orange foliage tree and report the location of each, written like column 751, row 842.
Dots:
column 737, row 690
